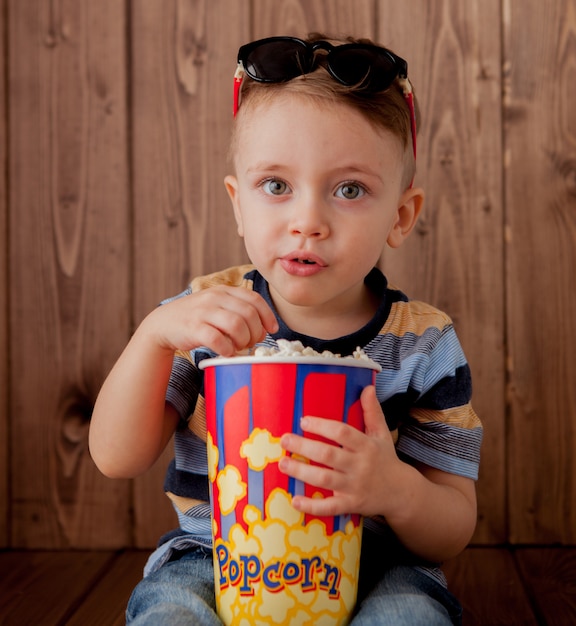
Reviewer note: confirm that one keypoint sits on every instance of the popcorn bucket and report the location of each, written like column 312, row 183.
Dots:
column 273, row 564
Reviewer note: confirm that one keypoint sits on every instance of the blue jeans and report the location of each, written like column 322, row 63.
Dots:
column 402, row 596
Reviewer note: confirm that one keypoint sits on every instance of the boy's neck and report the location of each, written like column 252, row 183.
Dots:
column 328, row 322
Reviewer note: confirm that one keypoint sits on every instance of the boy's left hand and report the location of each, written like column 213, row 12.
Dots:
column 361, row 468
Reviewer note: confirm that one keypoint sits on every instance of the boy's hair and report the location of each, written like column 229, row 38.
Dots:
column 384, row 110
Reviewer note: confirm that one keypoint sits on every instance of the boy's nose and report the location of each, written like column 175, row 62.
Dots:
column 310, row 221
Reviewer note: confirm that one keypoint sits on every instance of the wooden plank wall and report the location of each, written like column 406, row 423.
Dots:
column 4, row 489
column 114, row 119
column 540, row 200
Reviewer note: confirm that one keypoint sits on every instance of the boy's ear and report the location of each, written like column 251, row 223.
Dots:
column 409, row 207
column 231, row 184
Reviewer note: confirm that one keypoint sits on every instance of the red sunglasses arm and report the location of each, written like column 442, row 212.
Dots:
column 410, row 100
column 238, row 77
column 409, row 97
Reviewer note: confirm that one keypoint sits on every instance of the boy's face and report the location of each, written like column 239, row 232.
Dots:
column 317, row 195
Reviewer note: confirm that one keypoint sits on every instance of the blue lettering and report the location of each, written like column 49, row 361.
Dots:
column 310, row 567
column 251, row 566
column 249, row 570
column 270, row 577
column 222, row 555
column 331, row 580
column 235, row 571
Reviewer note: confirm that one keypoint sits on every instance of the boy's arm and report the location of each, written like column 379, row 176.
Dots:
column 438, row 516
column 433, row 513
column 131, row 424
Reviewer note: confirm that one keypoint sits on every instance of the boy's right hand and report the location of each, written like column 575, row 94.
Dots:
column 131, row 423
column 223, row 318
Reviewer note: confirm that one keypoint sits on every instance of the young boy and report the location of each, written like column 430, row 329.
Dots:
column 323, row 151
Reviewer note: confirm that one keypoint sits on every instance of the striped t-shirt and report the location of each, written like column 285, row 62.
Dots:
column 424, row 389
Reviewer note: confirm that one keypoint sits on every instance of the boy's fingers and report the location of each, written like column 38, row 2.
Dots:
column 320, row 506
column 345, row 435
column 265, row 314
column 238, row 318
column 374, row 420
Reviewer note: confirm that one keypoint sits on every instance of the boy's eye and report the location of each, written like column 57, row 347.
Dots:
column 275, row 186
column 350, row 191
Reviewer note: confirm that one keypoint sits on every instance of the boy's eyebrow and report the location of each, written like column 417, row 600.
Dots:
column 357, row 169
column 344, row 170
column 264, row 165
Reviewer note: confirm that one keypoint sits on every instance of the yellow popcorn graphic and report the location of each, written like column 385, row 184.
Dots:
column 213, row 456
column 278, row 506
column 280, row 570
column 231, row 488
column 260, row 449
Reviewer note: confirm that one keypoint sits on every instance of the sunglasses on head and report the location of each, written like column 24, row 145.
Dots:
column 366, row 67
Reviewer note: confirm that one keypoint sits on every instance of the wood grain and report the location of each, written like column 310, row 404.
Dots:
column 454, row 258
column 300, row 17
column 69, row 263
column 488, row 586
column 550, row 576
column 540, row 143
column 75, row 587
column 107, row 600
column 183, row 63
column 4, row 294
column 43, row 587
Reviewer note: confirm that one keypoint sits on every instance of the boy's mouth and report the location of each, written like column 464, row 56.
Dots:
column 302, row 263
column 304, row 258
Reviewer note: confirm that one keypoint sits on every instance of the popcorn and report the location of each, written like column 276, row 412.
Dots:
column 296, row 348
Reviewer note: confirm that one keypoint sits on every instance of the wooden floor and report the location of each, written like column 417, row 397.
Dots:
column 525, row 586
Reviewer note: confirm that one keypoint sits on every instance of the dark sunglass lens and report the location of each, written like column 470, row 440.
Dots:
column 277, row 61
column 365, row 68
